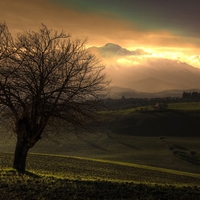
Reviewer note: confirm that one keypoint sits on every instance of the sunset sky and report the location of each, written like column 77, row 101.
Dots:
column 167, row 29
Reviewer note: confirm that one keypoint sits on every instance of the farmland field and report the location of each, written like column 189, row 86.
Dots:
column 59, row 177
column 149, row 154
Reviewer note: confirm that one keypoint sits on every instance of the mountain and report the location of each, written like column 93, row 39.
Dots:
column 118, row 92
column 143, row 73
column 155, row 85
column 114, row 50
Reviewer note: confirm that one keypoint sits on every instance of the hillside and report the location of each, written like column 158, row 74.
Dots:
column 59, row 177
column 135, row 154
column 115, row 92
column 134, row 137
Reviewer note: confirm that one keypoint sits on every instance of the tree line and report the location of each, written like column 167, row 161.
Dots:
column 195, row 96
column 125, row 103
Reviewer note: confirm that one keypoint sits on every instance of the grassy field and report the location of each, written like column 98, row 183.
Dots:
column 134, row 137
column 150, row 151
column 133, row 155
column 62, row 177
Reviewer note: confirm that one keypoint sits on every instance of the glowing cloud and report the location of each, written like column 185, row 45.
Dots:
column 165, row 30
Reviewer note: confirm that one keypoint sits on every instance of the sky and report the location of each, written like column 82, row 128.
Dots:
column 167, row 29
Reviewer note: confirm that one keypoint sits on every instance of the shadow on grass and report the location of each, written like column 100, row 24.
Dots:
column 123, row 143
column 30, row 174
column 12, row 172
column 181, row 152
column 191, row 159
column 93, row 145
column 180, row 147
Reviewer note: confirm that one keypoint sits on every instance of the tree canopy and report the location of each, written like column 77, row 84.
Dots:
column 45, row 77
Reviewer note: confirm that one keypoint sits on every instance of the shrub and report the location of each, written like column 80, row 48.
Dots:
column 193, row 153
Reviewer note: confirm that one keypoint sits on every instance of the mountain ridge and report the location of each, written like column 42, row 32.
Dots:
column 117, row 92
column 150, row 74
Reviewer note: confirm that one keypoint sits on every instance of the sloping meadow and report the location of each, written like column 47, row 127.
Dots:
column 58, row 177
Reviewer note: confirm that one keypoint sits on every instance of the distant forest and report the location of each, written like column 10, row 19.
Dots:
column 193, row 96
column 125, row 103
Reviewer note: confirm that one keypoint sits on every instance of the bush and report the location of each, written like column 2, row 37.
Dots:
column 171, row 147
column 192, row 153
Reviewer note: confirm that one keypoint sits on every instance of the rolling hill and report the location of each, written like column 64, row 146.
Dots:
column 131, row 136
column 64, row 177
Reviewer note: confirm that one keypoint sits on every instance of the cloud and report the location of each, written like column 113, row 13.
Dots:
column 114, row 50
column 131, row 24
column 113, row 55
column 22, row 14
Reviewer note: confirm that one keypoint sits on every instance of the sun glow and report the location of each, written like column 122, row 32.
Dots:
column 181, row 55
column 128, row 61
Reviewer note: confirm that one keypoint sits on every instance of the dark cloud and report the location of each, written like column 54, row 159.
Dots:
column 132, row 24
column 180, row 17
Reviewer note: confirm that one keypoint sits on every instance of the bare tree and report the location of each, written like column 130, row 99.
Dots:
column 45, row 76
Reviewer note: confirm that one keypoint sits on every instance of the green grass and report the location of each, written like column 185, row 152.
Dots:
column 125, row 164
column 96, row 169
column 181, row 106
column 143, row 150
column 185, row 106
column 30, row 187
column 180, row 119
column 63, row 177
column 125, row 159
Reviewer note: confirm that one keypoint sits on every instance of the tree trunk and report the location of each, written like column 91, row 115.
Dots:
column 20, row 156
column 26, row 139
